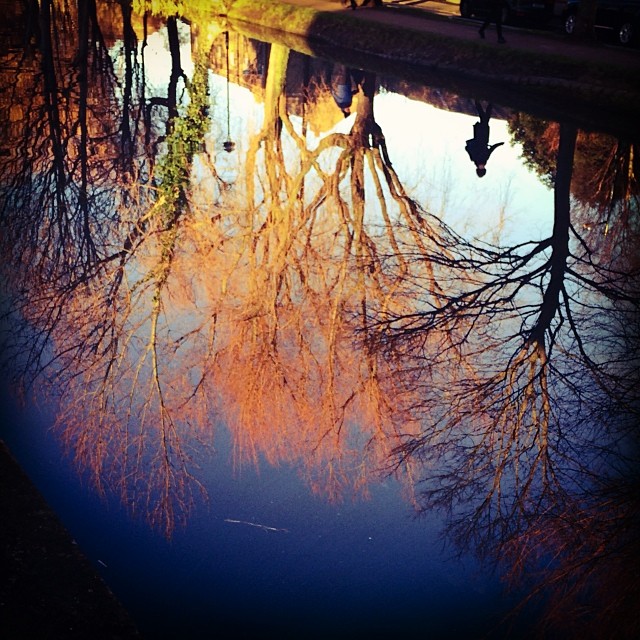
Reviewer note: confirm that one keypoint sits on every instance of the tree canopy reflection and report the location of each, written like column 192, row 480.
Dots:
column 315, row 308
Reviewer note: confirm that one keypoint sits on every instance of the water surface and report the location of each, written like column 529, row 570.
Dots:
column 316, row 351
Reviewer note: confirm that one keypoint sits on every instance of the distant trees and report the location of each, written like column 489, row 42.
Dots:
column 604, row 186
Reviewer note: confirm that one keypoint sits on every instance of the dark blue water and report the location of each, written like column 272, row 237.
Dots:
column 360, row 568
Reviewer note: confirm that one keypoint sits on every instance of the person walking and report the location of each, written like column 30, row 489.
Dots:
column 354, row 5
column 478, row 147
column 345, row 83
column 496, row 8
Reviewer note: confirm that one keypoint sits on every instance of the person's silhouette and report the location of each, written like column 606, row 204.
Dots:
column 344, row 85
column 495, row 15
column 478, row 147
column 376, row 3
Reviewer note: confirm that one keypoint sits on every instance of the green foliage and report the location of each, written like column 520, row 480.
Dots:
column 158, row 7
column 538, row 154
column 165, row 8
column 594, row 154
column 184, row 141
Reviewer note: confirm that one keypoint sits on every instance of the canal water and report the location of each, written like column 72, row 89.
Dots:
column 313, row 351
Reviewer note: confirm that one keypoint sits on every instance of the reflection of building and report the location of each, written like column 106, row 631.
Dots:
column 309, row 95
column 248, row 60
column 56, row 109
column 307, row 89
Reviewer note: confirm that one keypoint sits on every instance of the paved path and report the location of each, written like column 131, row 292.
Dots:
column 444, row 18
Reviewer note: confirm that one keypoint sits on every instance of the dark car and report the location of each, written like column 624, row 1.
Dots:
column 533, row 11
column 619, row 18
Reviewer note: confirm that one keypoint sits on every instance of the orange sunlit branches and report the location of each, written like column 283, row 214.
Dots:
column 159, row 315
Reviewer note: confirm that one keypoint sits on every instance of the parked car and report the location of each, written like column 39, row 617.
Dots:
column 533, row 11
column 620, row 18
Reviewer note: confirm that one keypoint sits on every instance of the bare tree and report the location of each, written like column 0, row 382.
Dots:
column 519, row 441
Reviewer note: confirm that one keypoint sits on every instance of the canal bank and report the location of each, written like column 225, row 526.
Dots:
column 429, row 41
column 49, row 589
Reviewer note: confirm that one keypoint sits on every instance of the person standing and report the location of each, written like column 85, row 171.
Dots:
column 496, row 8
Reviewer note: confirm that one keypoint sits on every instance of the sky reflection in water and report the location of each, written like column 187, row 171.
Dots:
column 285, row 340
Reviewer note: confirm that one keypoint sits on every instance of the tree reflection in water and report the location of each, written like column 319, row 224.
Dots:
column 528, row 442
column 320, row 312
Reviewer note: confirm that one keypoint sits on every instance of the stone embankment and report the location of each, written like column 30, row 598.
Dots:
column 428, row 38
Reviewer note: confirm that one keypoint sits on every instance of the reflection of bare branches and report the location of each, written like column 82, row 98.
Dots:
column 509, row 432
column 268, row 331
column 150, row 405
column 307, row 219
column 332, row 324
column 594, row 584
column 58, row 180
column 609, row 208
column 98, row 316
